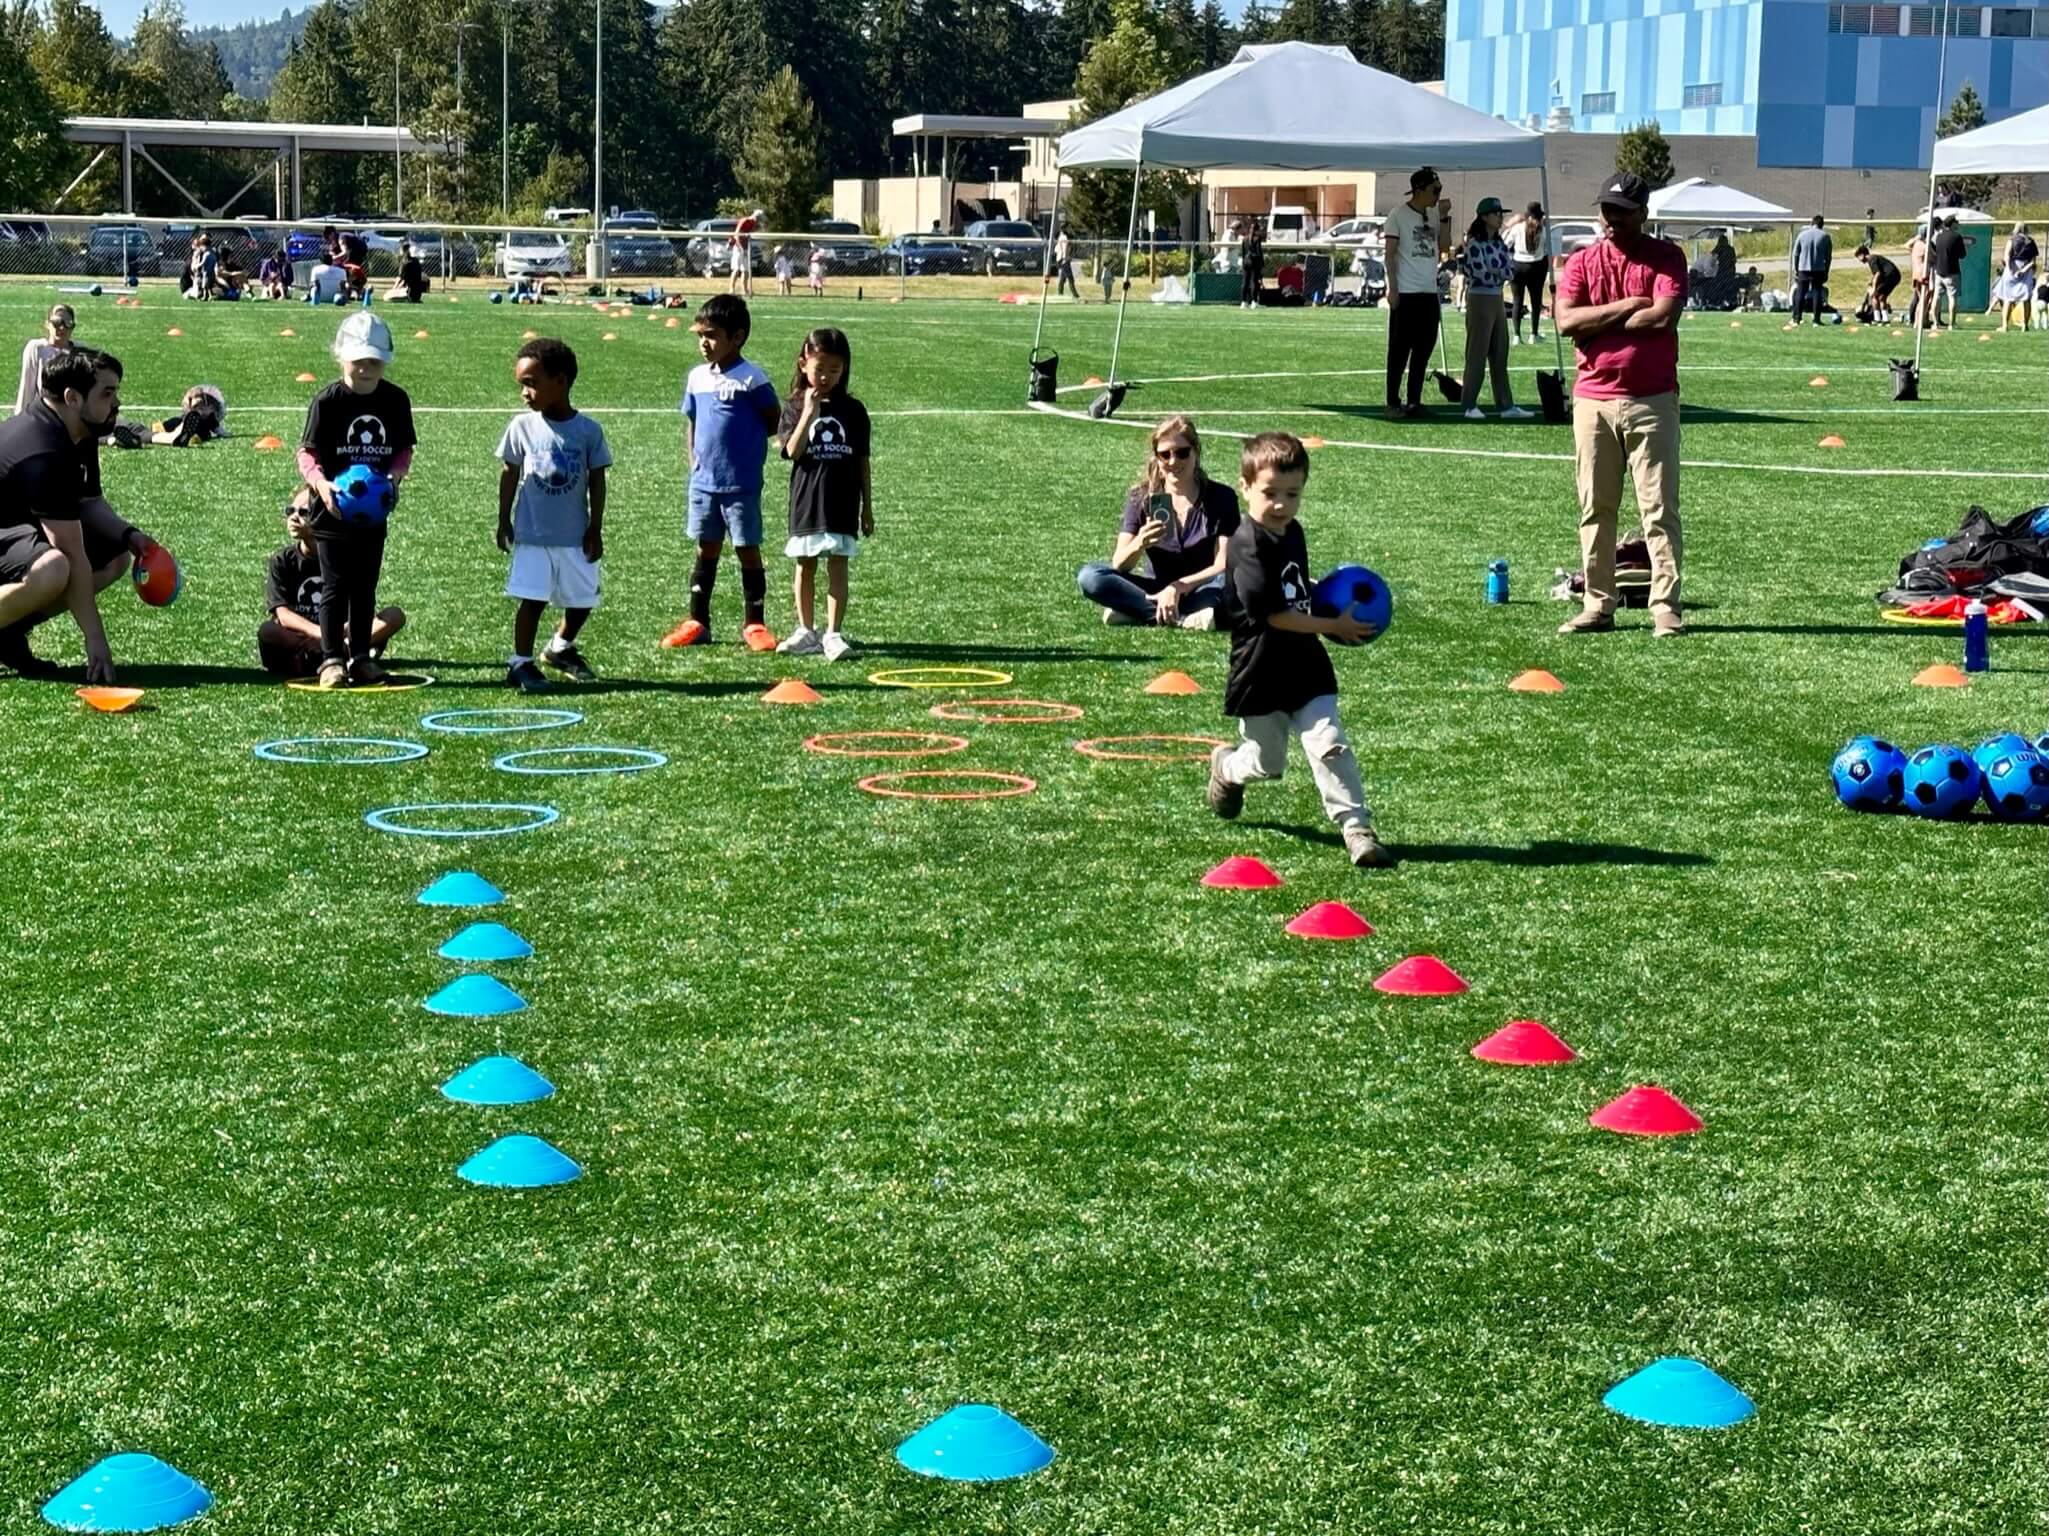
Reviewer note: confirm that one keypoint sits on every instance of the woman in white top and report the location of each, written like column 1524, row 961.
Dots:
column 56, row 337
column 1529, row 248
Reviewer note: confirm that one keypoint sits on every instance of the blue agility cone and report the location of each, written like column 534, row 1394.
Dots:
column 520, row 1162
column 461, row 889
column 1680, row 1393
column 974, row 1443
column 497, row 1080
column 474, row 997
column 485, row 943
column 128, row 1492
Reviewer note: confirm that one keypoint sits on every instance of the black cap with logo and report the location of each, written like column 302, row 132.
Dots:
column 1625, row 191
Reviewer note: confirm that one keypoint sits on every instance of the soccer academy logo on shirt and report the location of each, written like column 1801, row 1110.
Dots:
column 827, row 441
column 1294, row 587
column 557, row 471
column 311, row 595
column 367, row 438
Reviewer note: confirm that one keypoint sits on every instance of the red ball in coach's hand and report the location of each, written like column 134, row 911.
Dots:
column 156, row 576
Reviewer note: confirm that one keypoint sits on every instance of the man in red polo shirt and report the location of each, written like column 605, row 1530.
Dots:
column 1619, row 300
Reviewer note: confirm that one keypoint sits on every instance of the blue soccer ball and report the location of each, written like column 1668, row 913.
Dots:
column 497, row 297
column 1869, row 774
column 2017, row 786
column 1354, row 588
column 1992, row 748
column 1940, row 781
column 364, row 495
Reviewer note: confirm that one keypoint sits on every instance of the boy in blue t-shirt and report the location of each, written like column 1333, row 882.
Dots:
column 551, row 512
column 730, row 412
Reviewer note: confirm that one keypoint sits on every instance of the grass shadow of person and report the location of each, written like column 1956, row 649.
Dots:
column 1545, row 853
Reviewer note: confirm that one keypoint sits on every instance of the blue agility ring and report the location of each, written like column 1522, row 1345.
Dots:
column 269, row 751
column 530, row 720
column 633, row 760
column 539, row 816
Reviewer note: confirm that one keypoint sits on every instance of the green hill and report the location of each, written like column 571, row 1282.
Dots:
column 255, row 51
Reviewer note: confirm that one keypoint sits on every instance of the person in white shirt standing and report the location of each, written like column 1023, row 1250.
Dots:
column 1416, row 243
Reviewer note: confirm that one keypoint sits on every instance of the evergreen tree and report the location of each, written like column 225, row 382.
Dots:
column 1256, row 24
column 1080, row 25
column 1965, row 112
column 1306, row 21
column 30, row 138
column 714, row 59
column 1124, row 66
column 1644, row 151
column 1214, row 41
column 778, row 169
column 1361, row 29
column 318, row 84
column 1410, row 39
column 1180, row 38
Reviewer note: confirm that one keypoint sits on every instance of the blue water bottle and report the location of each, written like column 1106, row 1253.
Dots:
column 1977, row 647
column 366, row 293
column 1497, row 581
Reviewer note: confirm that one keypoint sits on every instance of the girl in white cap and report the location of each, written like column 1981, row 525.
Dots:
column 360, row 420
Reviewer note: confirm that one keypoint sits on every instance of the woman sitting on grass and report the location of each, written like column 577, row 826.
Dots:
column 1167, row 566
column 54, row 342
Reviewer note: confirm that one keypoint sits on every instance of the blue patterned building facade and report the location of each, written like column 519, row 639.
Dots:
column 1817, row 83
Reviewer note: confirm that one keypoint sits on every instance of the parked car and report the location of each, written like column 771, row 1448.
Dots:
column 1569, row 235
column 632, row 246
column 849, row 252
column 565, row 216
column 528, row 253
column 925, row 255
column 118, row 250
column 1014, row 246
column 444, row 255
column 709, row 251
column 1355, row 232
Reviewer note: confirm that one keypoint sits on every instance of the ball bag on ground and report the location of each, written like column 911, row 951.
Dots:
column 1992, row 748
column 1355, row 589
column 2017, row 786
column 1869, row 774
column 1940, row 781
column 156, row 576
column 364, row 495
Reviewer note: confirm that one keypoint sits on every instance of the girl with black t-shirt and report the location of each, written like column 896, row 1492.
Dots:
column 824, row 435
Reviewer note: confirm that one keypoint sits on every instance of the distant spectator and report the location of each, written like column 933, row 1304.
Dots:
column 1870, row 229
column 1167, row 566
column 1917, row 263
column 818, row 259
column 1063, row 268
column 1487, row 269
column 1252, row 268
column 275, row 274
column 205, row 269
column 1416, row 241
column 2015, row 289
column 1813, row 254
column 1885, row 277
column 411, row 284
column 740, row 273
column 55, row 340
column 1946, row 270
column 785, row 271
column 1530, row 248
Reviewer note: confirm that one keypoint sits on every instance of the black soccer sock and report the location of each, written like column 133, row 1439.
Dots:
column 754, row 591
column 703, row 576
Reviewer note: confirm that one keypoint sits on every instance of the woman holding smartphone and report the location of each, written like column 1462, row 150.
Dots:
column 1167, row 566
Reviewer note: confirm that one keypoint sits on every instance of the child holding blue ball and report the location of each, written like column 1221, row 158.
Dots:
column 361, row 420
column 1281, row 682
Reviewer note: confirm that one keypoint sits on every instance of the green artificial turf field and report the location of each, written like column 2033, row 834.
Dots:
column 887, row 1106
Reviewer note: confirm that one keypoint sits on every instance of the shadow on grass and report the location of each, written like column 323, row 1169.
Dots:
column 1545, row 854
column 976, row 655
column 1442, row 413
column 187, row 675
column 1908, row 631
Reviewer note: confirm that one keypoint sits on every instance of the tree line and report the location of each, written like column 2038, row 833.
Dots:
column 706, row 103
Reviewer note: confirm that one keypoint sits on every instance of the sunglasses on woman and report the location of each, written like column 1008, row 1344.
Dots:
column 1174, row 455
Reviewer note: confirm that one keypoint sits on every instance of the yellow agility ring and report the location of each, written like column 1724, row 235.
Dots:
column 939, row 677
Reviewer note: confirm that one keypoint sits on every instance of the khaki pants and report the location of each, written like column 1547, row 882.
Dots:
column 1644, row 435
column 1487, row 349
column 1262, row 752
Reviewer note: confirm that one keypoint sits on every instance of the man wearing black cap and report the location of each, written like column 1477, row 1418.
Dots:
column 1416, row 243
column 1619, row 300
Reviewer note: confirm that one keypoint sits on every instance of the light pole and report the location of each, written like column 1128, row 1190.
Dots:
column 398, row 163
column 505, row 117
column 462, row 124
column 598, row 149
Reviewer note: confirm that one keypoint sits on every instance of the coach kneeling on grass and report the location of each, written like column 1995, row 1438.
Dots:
column 1619, row 300
column 60, row 543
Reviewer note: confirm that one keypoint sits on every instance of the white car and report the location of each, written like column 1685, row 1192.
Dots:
column 1355, row 232
column 525, row 253
column 1569, row 235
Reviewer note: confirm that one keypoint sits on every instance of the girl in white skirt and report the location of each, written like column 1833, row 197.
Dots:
column 824, row 435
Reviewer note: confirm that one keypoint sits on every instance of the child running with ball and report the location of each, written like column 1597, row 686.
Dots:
column 1281, row 681
column 824, row 433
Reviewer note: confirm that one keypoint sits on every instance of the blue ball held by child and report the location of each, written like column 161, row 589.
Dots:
column 364, row 495
column 1869, row 774
column 2017, row 785
column 1354, row 589
column 1940, row 781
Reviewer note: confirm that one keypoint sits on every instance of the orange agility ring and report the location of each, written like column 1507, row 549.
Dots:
column 891, row 785
column 921, row 744
column 977, row 710
column 1100, row 748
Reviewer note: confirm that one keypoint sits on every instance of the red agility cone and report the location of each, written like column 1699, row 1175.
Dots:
column 1524, row 1043
column 1330, row 920
column 1420, row 976
column 1646, row 1111
column 1242, row 874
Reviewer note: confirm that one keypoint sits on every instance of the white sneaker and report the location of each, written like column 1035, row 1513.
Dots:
column 1515, row 341
column 1516, row 413
column 837, row 645
column 1474, row 413
column 802, row 642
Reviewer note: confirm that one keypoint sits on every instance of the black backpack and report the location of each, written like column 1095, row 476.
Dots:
column 1044, row 386
column 1552, row 396
column 1977, row 554
column 1906, row 379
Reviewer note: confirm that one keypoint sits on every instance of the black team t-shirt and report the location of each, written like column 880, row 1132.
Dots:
column 293, row 581
column 344, row 429
column 1272, row 670
column 1946, row 253
column 43, row 474
column 1884, row 275
column 825, row 484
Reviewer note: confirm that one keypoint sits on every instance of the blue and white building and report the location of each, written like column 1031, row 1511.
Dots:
column 1816, row 83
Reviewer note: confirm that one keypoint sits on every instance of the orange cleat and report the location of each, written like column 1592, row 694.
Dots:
column 758, row 638
column 689, row 632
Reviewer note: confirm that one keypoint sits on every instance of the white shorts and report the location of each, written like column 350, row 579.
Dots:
column 560, row 574
column 809, row 546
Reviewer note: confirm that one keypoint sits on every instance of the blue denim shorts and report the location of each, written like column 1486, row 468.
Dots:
column 716, row 516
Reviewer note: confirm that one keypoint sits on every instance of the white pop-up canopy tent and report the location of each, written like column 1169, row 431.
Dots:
column 1697, row 200
column 1289, row 107
column 2013, row 146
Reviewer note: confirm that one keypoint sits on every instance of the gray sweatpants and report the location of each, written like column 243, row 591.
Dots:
column 1262, row 752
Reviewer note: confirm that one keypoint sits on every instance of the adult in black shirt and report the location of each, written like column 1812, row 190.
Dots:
column 1885, row 277
column 61, row 544
column 1946, row 268
column 412, row 277
column 1252, row 266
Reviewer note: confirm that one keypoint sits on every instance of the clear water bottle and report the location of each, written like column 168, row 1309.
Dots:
column 1497, row 581
column 1977, row 637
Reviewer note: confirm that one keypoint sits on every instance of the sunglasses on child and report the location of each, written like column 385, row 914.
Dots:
column 1174, row 454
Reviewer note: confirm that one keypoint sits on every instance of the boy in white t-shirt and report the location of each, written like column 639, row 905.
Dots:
column 551, row 513
column 1416, row 244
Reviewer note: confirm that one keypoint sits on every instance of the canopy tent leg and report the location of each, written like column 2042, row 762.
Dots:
column 1550, row 271
column 1046, row 262
column 1927, row 265
column 1124, row 293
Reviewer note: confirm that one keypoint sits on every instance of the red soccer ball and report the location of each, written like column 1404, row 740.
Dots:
column 156, row 577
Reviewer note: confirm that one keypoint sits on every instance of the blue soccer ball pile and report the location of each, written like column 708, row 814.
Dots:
column 2008, row 772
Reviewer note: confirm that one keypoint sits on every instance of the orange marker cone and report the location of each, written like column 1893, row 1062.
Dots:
column 1173, row 682
column 288, row 331
column 1735, row 325
column 1941, row 675
column 1831, row 441
column 1536, row 680
column 793, row 691
column 1817, row 382
column 1852, row 329
column 174, row 331
column 1984, row 335
column 419, row 335
column 1788, row 326
column 306, row 378
column 1312, row 442
column 671, row 323
column 608, row 336
column 1092, row 382
column 269, row 444
column 1897, row 332
column 528, row 335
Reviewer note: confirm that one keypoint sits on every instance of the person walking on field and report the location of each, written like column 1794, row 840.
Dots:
column 1416, row 243
column 1619, row 300
column 1063, row 268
